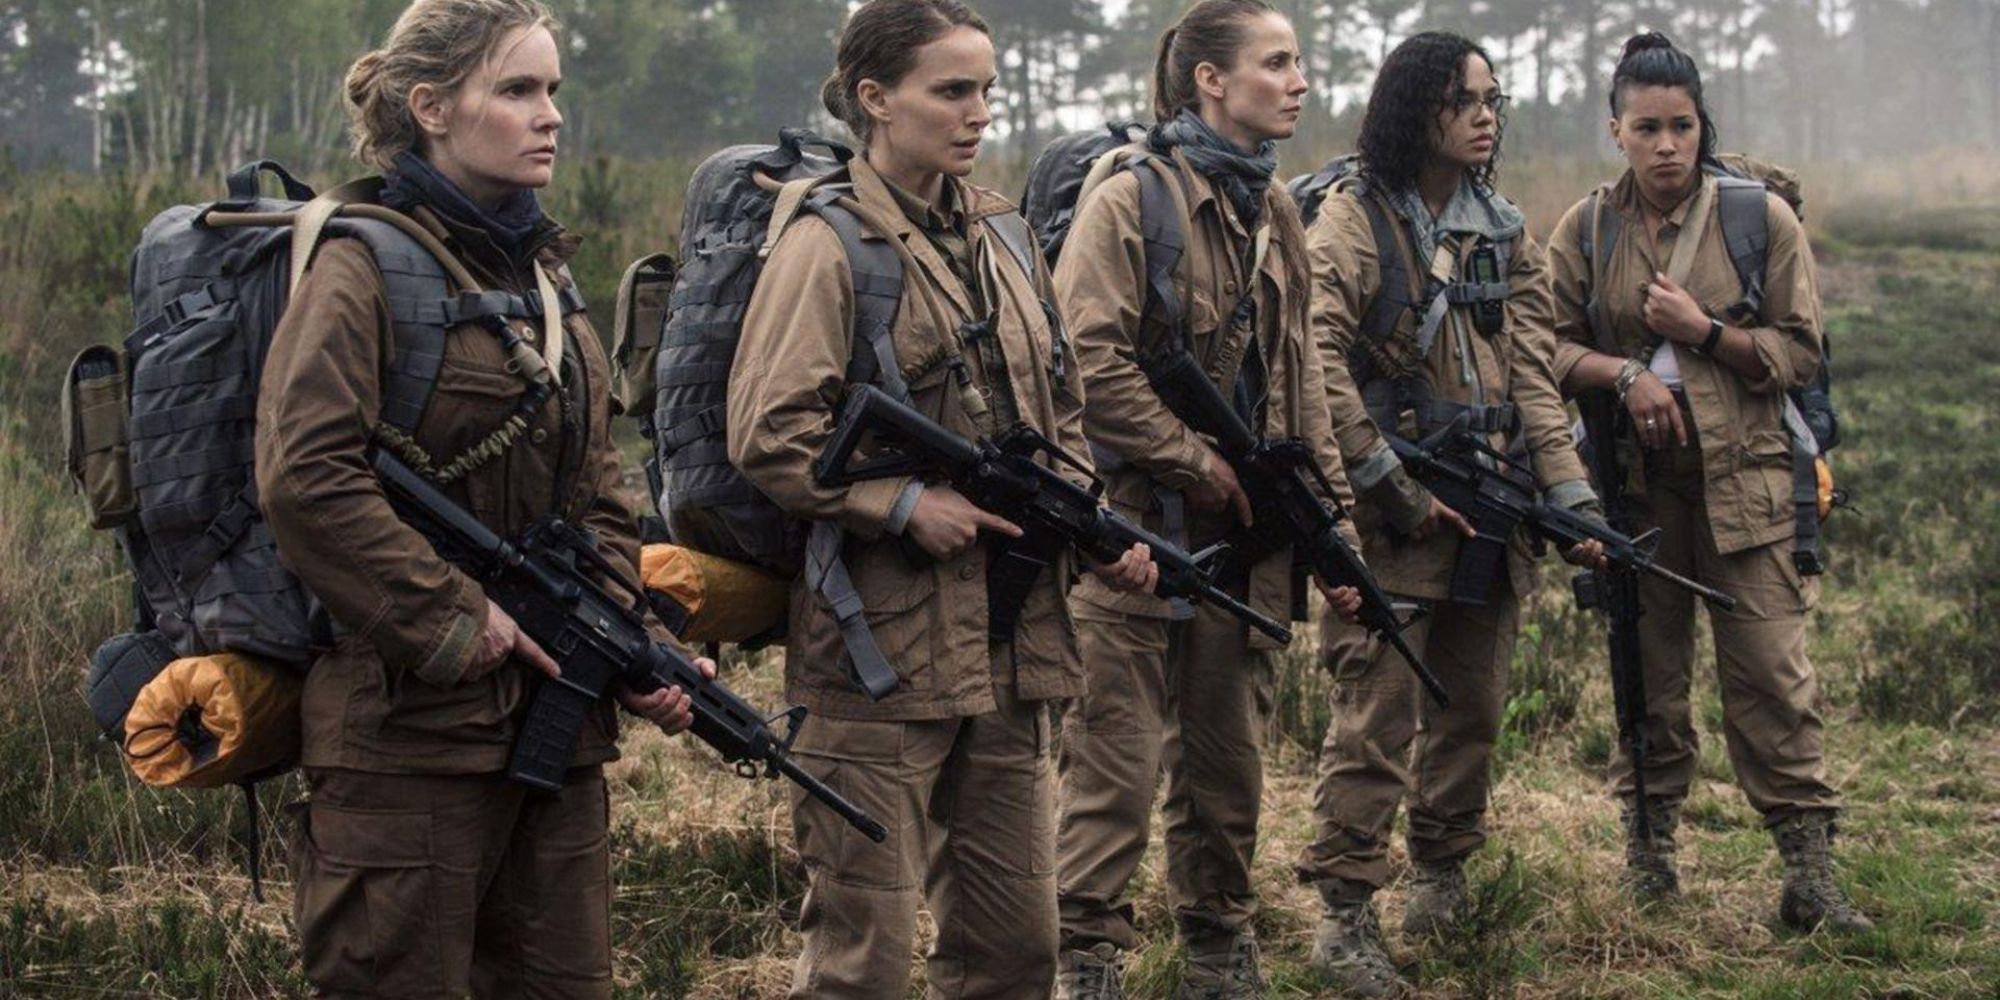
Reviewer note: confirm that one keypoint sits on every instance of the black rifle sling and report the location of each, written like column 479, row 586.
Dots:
column 878, row 290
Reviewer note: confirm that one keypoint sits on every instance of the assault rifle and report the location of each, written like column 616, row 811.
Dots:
column 1004, row 476
column 600, row 640
column 1279, row 478
column 1616, row 594
column 1471, row 477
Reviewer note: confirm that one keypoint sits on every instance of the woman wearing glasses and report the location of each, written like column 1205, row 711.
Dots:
column 1428, row 292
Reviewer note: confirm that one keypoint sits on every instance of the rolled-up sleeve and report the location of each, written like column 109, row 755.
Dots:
column 324, row 505
column 1345, row 273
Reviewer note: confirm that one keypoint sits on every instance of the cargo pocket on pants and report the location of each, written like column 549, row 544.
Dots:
column 365, row 908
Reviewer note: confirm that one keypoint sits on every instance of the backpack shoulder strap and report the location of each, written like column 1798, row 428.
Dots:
column 878, row 291
column 1164, row 232
column 1392, row 299
column 1013, row 233
column 1746, row 231
column 419, row 303
column 1599, row 233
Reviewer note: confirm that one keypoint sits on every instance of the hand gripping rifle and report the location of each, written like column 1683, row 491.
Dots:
column 600, row 640
column 1279, row 477
column 1477, row 481
column 1004, row 477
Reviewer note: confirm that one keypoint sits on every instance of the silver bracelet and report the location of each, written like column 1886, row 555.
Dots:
column 1628, row 374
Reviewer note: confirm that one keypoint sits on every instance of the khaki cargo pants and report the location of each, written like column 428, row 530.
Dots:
column 1388, row 740
column 1771, row 723
column 1189, row 698
column 969, row 805
column 454, row 885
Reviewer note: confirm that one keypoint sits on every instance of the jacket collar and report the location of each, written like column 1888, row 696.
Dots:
column 1625, row 197
column 879, row 208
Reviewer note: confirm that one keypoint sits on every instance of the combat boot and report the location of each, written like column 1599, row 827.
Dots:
column 1222, row 967
column 1650, row 872
column 1811, row 898
column 1347, row 948
column 1437, row 900
column 1093, row 974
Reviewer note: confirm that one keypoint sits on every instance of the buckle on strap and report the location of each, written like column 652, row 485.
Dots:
column 486, row 308
column 568, row 300
column 1461, row 293
column 199, row 301
column 687, row 432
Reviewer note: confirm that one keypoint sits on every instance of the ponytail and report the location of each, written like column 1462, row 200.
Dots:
column 1212, row 32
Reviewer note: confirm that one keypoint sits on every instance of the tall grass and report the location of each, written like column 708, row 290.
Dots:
column 109, row 887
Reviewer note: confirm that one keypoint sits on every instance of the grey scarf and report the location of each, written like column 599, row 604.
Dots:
column 1242, row 178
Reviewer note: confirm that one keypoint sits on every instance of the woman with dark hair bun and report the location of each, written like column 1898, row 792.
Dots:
column 1431, row 297
column 1649, row 307
column 955, row 759
column 1185, row 692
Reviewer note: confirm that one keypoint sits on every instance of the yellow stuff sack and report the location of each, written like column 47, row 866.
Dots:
column 209, row 721
column 723, row 600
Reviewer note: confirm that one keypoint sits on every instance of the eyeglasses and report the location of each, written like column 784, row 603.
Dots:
column 1465, row 100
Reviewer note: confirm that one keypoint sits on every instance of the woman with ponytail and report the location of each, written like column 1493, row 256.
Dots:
column 420, row 869
column 1176, row 690
column 955, row 759
column 1430, row 294
column 1650, row 308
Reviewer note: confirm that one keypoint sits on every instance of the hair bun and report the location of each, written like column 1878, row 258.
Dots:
column 834, row 96
column 1644, row 41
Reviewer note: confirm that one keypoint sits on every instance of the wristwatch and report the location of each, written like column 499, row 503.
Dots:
column 1714, row 337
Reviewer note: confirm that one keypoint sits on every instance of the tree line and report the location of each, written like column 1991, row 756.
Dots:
column 188, row 85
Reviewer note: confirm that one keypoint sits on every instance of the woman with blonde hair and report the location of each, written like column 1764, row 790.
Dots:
column 420, row 868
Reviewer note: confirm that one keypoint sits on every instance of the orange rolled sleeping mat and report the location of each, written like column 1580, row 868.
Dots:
column 210, row 721
column 725, row 601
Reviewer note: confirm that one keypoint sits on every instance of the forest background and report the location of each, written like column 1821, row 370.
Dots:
column 111, row 110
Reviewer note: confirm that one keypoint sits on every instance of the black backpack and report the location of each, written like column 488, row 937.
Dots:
column 162, row 428
column 1057, row 178
column 1742, row 189
column 1309, row 191
column 739, row 202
